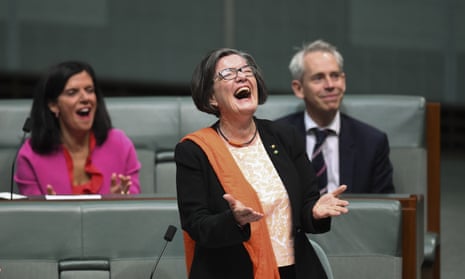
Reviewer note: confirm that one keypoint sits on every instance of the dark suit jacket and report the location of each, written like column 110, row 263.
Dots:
column 364, row 163
column 206, row 216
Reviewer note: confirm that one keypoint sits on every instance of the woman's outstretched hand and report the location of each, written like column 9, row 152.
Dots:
column 330, row 205
column 242, row 214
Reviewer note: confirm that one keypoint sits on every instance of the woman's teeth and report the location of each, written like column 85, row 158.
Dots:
column 83, row 112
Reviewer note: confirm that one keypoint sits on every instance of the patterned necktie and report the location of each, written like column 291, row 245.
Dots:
column 318, row 161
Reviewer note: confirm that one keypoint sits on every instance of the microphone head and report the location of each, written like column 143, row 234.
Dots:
column 170, row 232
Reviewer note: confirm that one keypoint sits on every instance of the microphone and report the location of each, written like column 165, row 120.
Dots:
column 169, row 234
column 26, row 129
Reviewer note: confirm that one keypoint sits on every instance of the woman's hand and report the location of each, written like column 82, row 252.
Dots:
column 330, row 205
column 120, row 184
column 242, row 214
column 50, row 190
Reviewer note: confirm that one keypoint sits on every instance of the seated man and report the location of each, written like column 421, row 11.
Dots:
column 342, row 149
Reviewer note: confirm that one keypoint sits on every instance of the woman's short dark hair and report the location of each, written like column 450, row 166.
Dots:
column 45, row 132
column 204, row 74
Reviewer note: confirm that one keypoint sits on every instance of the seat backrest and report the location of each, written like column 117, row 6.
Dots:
column 402, row 118
column 152, row 124
column 130, row 234
column 90, row 239
column 366, row 243
column 31, row 242
column 191, row 119
column 13, row 114
column 165, row 173
column 279, row 105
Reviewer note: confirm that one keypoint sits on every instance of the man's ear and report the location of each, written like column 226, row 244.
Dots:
column 297, row 88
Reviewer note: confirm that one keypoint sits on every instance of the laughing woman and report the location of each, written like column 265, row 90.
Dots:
column 73, row 148
column 247, row 194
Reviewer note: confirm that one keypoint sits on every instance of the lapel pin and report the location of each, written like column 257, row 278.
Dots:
column 275, row 151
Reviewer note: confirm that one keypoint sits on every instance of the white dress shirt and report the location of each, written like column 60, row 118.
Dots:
column 330, row 148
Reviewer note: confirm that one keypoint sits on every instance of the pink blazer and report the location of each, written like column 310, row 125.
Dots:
column 116, row 155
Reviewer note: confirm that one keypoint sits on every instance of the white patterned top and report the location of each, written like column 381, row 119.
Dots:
column 259, row 171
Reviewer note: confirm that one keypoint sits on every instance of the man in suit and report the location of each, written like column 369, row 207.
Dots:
column 355, row 153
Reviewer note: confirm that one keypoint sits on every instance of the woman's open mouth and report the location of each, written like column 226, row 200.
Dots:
column 83, row 112
column 242, row 93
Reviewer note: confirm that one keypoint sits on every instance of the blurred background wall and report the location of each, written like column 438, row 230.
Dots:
column 150, row 47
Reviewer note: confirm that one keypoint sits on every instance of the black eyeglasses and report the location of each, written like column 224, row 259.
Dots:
column 231, row 73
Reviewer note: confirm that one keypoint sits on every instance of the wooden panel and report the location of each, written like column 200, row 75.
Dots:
column 433, row 145
column 409, row 236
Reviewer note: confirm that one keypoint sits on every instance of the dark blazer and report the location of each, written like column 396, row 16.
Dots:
column 206, row 216
column 364, row 163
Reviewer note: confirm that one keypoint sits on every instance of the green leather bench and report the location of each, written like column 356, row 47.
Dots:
column 156, row 124
column 89, row 239
column 102, row 239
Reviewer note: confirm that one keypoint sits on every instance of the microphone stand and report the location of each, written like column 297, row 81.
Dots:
column 168, row 237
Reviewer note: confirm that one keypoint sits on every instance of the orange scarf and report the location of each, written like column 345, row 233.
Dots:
column 234, row 183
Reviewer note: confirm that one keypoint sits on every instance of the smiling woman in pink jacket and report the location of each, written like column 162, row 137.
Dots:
column 73, row 148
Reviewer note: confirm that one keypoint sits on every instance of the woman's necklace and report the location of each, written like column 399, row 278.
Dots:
column 236, row 144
